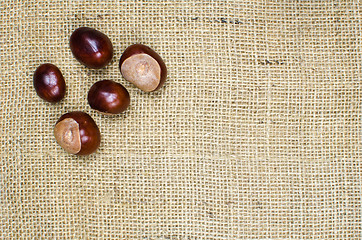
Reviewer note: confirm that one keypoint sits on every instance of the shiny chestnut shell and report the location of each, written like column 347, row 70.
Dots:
column 77, row 133
column 91, row 47
column 49, row 83
column 143, row 67
column 108, row 96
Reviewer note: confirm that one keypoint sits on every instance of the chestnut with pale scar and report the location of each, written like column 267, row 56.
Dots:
column 77, row 133
column 143, row 67
column 66, row 133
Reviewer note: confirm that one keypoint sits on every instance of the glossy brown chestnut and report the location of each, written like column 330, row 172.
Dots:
column 49, row 83
column 77, row 133
column 108, row 96
column 143, row 67
column 91, row 47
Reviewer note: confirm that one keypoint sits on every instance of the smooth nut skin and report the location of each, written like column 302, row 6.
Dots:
column 140, row 52
column 49, row 83
column 87, row 131
column 91, row 47
column 108, row 96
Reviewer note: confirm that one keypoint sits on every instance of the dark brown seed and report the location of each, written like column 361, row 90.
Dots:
column 77, row 133
column 49, row 83
column 108, row 96
column 91, row 47
column 143, row 67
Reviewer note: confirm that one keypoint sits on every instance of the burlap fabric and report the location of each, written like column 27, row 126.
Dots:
column 256, row 134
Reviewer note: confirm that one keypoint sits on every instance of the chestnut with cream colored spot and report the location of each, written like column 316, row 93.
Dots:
column 143, row 67
column 77, row 133
column 66, row 133
column 143, row 71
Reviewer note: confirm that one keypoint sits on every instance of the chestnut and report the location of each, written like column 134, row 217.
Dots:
column 143, row 67
column 91, row 47
column 49, row 83
column 77, row 133
column 108, row 96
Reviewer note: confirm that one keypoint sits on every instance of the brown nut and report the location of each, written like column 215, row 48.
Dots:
column 143, row 67
column 91, row 47
column 49, row 83
column 108, row 96
column 77, row 133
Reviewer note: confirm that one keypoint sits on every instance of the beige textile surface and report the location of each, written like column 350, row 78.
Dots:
column 256, row 134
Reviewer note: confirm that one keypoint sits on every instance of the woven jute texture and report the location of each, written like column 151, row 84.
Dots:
column 255, row 135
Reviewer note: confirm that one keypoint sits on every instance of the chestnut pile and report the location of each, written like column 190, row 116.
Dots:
column 76, row 132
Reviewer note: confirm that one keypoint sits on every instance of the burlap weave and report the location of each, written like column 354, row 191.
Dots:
column 256, row 134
